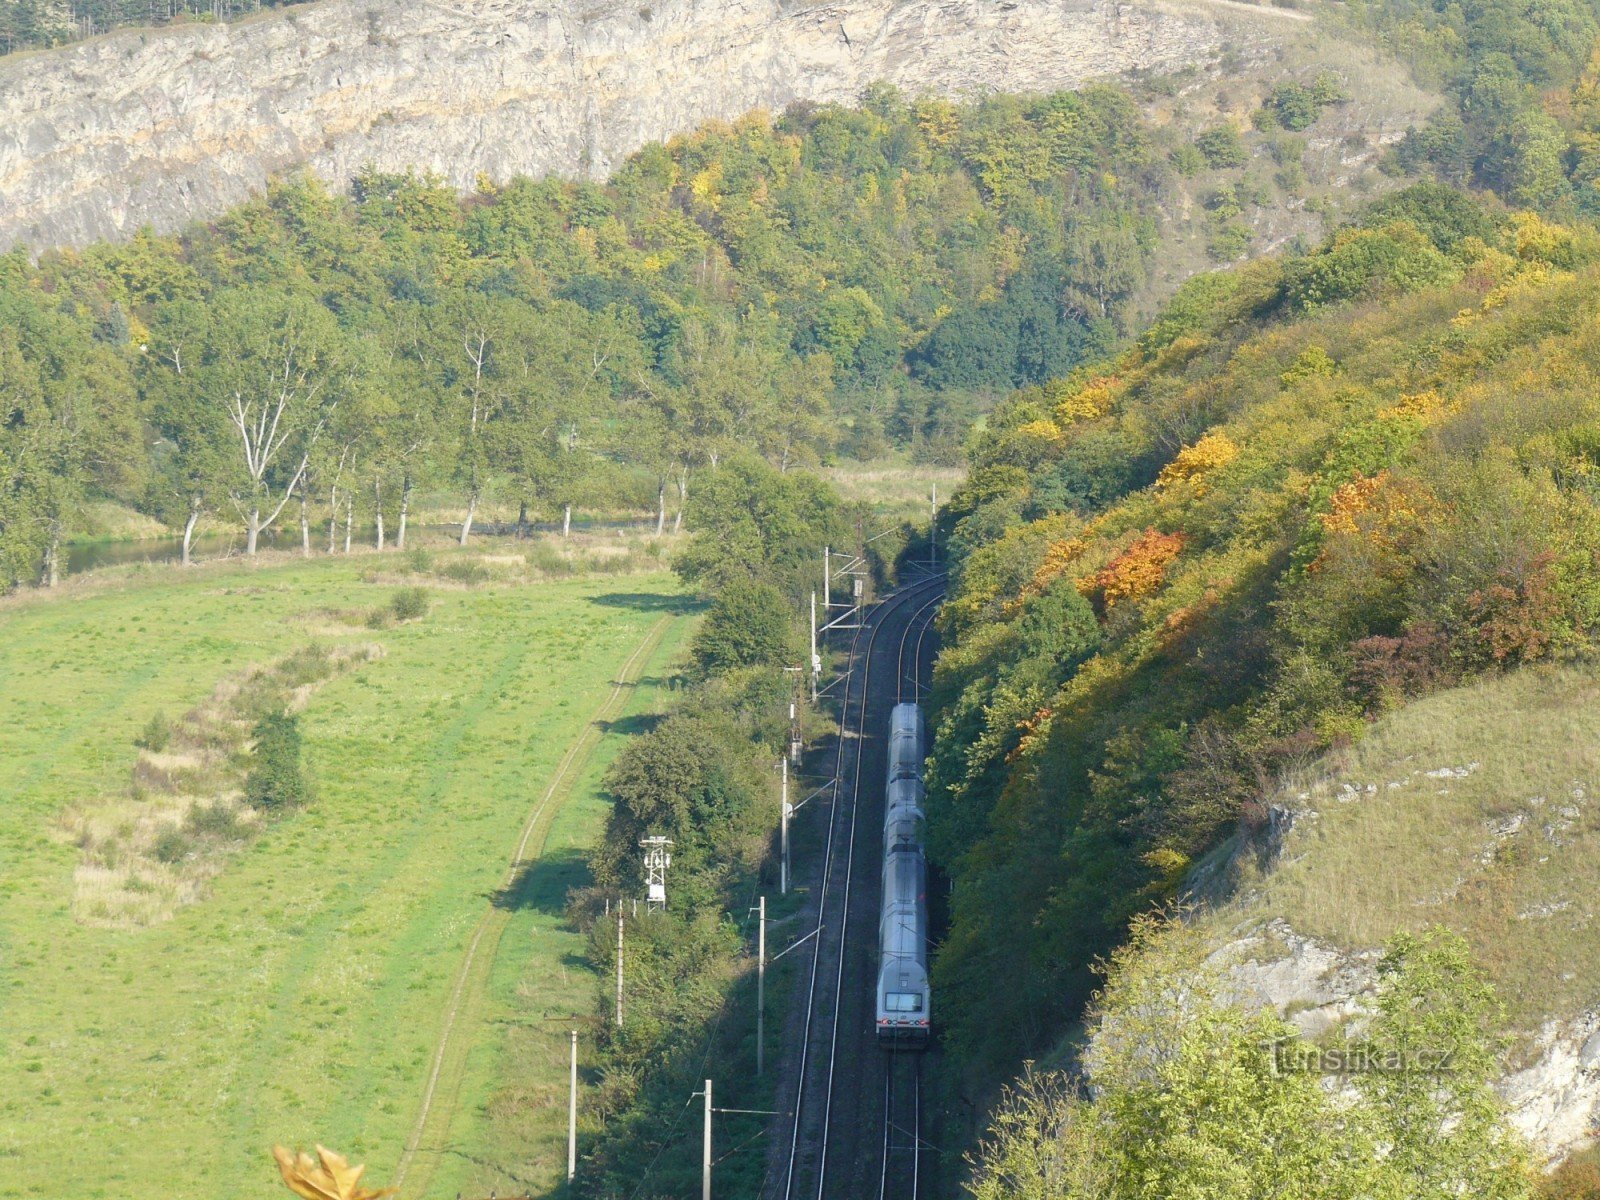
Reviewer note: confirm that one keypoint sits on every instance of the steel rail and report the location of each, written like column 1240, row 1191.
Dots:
column 849, row 870
column 875, row 621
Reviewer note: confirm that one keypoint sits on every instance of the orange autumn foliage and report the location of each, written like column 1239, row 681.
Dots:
column 1137, row 571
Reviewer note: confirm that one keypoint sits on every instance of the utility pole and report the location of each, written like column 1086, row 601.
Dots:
column 572, row 1114
column 827, row 580
column 783, row 834
column 761, row 989
column 933, row 526
column 705, row 1150
column 816, row 662
column 619, row 964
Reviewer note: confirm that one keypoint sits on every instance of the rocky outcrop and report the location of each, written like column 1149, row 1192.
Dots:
column 162, row 126
column 1552, row 1098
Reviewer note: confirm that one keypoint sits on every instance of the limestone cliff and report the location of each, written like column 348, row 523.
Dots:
column 167, row 125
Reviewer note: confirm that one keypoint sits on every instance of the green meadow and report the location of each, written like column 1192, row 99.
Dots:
column 362, row 953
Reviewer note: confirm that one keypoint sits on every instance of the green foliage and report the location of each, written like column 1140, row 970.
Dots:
column 409, row 604
column 1192, row 1097
column 748, row 626
column 755, row 289
column 1222, row 147
column 155, row 735
column 277, row 779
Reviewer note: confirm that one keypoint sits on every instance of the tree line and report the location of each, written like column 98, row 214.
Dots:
column 833, row 281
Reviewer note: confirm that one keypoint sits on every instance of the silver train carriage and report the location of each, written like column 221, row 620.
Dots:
column 903, row 998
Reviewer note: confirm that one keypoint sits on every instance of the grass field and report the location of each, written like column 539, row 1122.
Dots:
column 304, row 998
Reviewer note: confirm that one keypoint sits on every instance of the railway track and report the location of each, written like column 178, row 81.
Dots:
column 843, row 1087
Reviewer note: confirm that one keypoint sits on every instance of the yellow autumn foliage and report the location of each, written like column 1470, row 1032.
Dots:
column 1212, row 452
column 1093, row 399
column 329, row 1176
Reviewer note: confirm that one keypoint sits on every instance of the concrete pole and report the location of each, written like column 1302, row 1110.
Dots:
column 813, row 646
column 783, row 835
column 705, row 1150
column 933, row 526
column 761, row 988
column 619, row 965
column 572, row 1114
column 827, row 580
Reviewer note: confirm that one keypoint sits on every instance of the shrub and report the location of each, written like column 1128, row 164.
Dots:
column 171, row 846
column 409, row 604
column 466, row 571
column 215, row 821
column 1222, row 147
column 748, row 625
column 277, row 780
column 157, row 733
column 420, row 561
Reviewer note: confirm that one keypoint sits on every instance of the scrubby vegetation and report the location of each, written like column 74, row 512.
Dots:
column 1194, row 1096
column 1320, row 486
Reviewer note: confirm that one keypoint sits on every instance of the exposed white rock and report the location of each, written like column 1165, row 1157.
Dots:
column 1554, row 1101
column 162, row 126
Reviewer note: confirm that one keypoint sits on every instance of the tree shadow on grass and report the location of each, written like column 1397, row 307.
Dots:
column 633, row 724
column 648, row 602
column 543, row 884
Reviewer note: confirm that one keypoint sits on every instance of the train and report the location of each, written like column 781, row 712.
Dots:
column 904, row 999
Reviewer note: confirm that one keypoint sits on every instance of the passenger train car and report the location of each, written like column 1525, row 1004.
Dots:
column 903, row 1000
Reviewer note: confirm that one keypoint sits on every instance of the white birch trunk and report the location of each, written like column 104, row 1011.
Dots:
column 188, row 532
column 251, row 530
column 566, row 521
column 349, row 520
column 377, row 503
column 405, row 508
column 466, row 526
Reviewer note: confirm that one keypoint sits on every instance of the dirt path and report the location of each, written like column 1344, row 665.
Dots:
column 430, row 1134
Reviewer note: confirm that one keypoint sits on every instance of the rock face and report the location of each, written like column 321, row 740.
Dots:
column 162, row 126
column 1553, row 1098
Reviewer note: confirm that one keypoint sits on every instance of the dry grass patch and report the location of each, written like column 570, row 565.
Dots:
column 149, row 851
column 1475, row 809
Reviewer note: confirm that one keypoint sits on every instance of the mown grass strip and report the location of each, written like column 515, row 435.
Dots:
column 436, row 1112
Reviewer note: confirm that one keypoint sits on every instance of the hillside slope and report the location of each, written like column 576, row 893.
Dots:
column 1319, row 488
column 1472, row 808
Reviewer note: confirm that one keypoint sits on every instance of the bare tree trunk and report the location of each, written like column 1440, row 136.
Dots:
column 377, row 500
column 566, row 521
column 52, row 559
column 333, row 520
column 305, row 527
column 252, row 529
column 661, row 506
column 522, row 521
column 683, row 499
column 349, row 519
column 188, row 531
column 405, row 507
column 466, row 526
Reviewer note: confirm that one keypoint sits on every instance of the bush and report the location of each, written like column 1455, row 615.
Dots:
column 420, row 561
column 157, row 733
column 748, row 625
column 409, row 604
column 466, row 571
column 277, row 780
column 1222, row 147
column 217, row 821
column 171, row 846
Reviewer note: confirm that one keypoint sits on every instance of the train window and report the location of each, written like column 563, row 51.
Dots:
column 903, row 1002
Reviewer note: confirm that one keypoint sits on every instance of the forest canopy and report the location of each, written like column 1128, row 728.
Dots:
column 833, row 281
